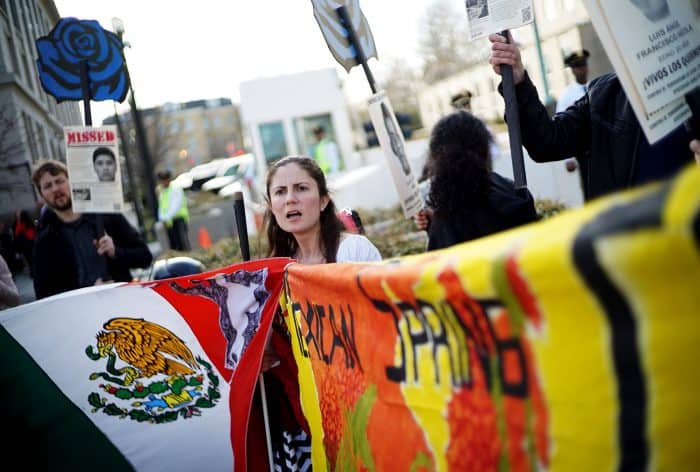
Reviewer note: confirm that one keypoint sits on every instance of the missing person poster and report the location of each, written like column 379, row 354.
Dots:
column 672, row 46
column 93, row 166
column 660, row 43
column 391, row 141
column 492, row 16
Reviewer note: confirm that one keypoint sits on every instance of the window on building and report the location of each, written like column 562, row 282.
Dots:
column 30, row 137
column 13, row 53
column 26, row 20
column 303, row 128
column 273, row 140
column 14, row 14
column 41, row 139
column 28, row 78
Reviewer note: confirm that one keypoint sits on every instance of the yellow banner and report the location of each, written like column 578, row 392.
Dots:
column 571, row 344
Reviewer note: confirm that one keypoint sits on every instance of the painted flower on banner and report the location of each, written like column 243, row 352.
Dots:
column 69, row 43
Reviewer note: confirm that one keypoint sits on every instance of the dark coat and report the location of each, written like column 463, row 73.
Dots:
column 600, row 129
column 506, row 208
column 54, row 259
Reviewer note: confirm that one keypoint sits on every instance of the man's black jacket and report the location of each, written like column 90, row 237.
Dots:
column 600, row 129
column 54, row 260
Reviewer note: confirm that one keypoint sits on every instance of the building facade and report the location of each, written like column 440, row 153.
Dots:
column 31, row 122
column 563, row 26
column 182, row 135
column 279, row 114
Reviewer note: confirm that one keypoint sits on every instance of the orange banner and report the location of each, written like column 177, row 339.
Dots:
column 561, row 345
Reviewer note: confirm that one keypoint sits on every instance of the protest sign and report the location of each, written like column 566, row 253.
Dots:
column 336, row 34
column 493, row 16
column 392, row 143
column 655, row 50
column 92, row 157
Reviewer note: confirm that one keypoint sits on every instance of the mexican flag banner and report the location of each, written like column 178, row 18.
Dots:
column 570, row 344
column 150, row 376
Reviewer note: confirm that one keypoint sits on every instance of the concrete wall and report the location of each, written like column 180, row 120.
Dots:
column 285, row 98
column 371, row 187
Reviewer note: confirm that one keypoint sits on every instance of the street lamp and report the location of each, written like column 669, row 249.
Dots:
column 118, row 27
column 135, row 194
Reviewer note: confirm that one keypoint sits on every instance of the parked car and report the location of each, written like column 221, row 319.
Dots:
column 184, row 180
column 203, row 172
column 175, row 267
column 230, row 172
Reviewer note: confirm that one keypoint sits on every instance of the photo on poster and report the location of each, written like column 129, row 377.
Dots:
column 392, row 143
column 104, row 161
column 92, row 158
column 81, row 193
column 477, row 9
column 493, row 16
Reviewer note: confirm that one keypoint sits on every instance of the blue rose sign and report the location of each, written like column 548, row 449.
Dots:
column 72, row 42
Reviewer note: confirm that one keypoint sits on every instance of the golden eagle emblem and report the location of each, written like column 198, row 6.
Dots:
column 148, row 348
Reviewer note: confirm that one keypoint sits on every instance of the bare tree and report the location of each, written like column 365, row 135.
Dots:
column 444, row 43
column 401, row 83
column 161, row 138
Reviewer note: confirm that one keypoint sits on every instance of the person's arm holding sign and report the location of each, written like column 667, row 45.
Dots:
column 565, row 135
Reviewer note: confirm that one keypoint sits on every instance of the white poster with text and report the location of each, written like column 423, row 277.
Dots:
column 94, row 170
column 392, row 143
column 659, row 42
column 493, row 16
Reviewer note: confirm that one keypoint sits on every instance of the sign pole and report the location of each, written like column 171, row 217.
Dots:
column 134, row 187
column 242, row 230
column 359, row 53
column 513, row 119
column 85, row 87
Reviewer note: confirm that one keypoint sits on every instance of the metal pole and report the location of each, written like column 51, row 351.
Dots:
column 85, row 88
column 136, row 196
column 242, row 230
column 241, row 225
column 359, row 52
column 513, row 119
column 145, row 153
column 543, row 69
column 141, row 141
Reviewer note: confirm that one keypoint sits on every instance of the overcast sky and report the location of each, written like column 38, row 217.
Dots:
column 194, row 49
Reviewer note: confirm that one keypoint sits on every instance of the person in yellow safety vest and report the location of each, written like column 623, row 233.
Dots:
column 325, row 152
column 172, row 211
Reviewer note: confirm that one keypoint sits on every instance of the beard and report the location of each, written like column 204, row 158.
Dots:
column 63, row 207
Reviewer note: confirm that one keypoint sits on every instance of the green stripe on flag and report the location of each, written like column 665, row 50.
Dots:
column 38, row 418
